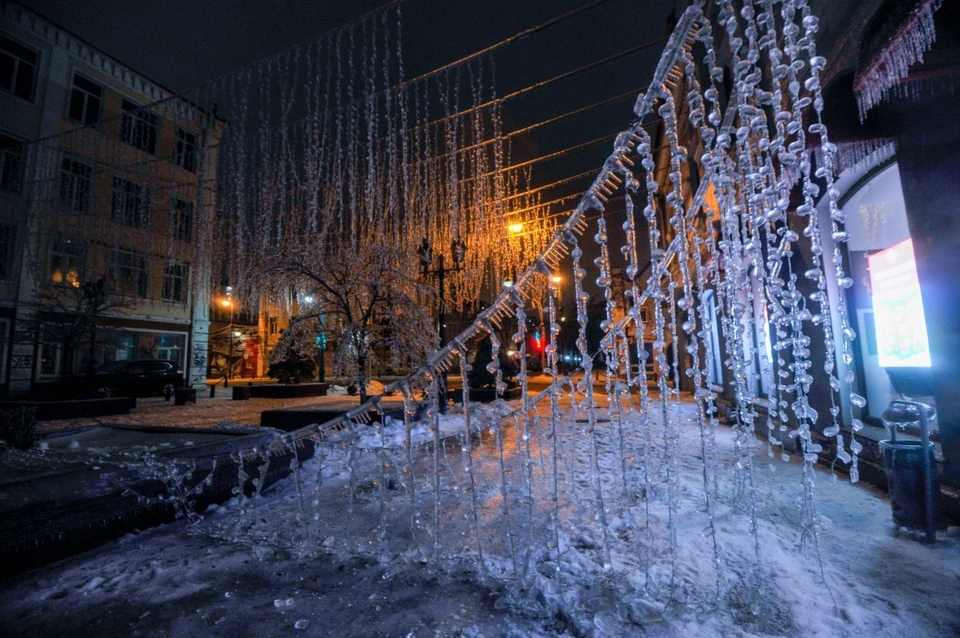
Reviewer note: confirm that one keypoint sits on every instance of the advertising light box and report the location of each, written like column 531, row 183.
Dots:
column 898, row 308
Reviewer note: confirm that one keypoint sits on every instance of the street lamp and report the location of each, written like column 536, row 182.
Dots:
column 554, row 285
column 458, row 250
column 228, row 303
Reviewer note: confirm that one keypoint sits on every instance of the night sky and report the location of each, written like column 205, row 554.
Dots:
column 184, row 43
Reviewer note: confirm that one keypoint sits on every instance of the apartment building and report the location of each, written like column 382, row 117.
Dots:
column 103, row 179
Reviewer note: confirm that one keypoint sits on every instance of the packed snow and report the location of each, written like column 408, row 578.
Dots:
column 340, row 564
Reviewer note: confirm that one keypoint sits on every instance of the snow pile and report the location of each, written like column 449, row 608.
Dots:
column 393, row 433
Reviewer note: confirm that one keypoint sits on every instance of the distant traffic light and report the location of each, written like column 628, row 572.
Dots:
column 536, row 342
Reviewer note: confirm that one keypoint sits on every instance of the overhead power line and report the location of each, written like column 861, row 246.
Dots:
column 502, row 43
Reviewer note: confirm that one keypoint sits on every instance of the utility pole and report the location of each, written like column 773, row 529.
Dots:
column 458, row 249
column 226, row 380
column 228, row 303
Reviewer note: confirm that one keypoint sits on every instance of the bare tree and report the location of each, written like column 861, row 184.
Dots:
column 67, row 316
column 367, row 298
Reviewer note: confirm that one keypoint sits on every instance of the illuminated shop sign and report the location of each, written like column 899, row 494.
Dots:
column 898, row 308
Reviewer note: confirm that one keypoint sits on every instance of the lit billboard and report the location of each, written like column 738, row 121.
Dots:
column 898, row 308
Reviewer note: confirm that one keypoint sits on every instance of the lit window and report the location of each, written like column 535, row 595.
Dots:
column 66, row 261
column 18, row 68
column 85, row 100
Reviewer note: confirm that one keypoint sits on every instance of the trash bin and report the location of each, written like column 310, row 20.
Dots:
column 904, row 465
column 906, row 468
column 900, row 414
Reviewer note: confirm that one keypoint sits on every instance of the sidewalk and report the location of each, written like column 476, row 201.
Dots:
column 205, row 413
column 78, row 489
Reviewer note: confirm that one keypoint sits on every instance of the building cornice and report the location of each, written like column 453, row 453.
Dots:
column 56, row 36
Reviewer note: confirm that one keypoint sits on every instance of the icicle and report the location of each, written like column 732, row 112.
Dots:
column 906, row 47
column 467, row 452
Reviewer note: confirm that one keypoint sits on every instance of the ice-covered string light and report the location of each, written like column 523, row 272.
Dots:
column 324, row 139
column 752, row 175
column 595, row 511
column 888, row 69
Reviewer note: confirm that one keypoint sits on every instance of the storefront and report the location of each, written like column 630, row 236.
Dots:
column 886, row 299
column 119, row 344
column 112, row 343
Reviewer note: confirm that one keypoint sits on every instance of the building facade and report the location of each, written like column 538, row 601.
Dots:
column 104, row 182
column 897, row 168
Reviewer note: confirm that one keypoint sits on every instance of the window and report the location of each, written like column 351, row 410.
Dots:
column 131, row 204
column 76, row 184
column 128, row 273
column 712, row 340
column 139, row 127
column 4, row 334
column 186, row 151
column 272, row 326
column 11, row 156
column 49, row 363
column 85, row 100
column 876, row 216
column 765, row 353
column 67, row 258
column 174, row 286
column 8, row 238
column 181, row 219
column 18, row 68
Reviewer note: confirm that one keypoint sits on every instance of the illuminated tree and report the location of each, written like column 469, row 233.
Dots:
column 368, row 300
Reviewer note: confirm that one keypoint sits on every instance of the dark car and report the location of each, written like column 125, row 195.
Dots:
column 140, row 377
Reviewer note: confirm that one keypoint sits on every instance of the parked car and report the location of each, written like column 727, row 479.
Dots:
column 140, row 377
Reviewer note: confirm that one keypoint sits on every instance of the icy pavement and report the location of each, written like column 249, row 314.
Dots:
column 206, row 412
column 336, row 556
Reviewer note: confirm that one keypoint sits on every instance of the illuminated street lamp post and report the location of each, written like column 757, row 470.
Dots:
column 555, row 281
column 228, row 303
column 459, row 251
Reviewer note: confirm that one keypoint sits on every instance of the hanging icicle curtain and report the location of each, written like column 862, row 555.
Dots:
column 897, row 37
column 325, row 142
column 582, row 510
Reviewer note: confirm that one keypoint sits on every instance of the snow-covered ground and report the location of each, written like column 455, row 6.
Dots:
column 345, row 549
column 206, row 412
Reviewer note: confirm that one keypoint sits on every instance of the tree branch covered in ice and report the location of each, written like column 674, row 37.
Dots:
column 362, row 296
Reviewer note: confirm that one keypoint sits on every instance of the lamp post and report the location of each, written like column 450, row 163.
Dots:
column 228, row 303
column 554, row 285
column 458, row 250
